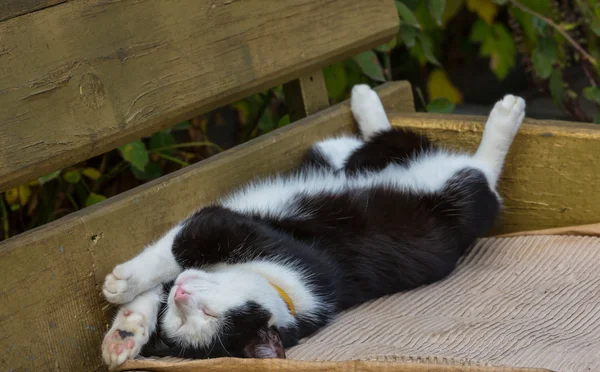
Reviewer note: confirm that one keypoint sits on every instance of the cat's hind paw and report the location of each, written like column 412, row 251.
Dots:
column 368, row 111
column 125, row 339
column 507, row 115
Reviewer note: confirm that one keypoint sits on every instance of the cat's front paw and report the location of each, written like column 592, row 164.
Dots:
column 125, row 339
column 120, row 286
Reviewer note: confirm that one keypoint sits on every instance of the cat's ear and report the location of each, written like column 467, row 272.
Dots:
column 266, row 344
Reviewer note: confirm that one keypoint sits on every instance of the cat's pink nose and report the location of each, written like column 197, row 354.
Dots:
column 181, row 294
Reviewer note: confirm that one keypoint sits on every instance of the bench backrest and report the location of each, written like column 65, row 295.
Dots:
column 83, row 77
column 80, row 77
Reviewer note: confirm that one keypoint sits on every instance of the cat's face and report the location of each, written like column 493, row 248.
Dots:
column 224, row 313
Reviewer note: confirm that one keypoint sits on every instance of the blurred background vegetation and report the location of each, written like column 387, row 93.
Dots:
column 459, row 55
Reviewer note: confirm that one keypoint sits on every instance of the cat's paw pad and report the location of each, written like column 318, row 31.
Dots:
column 508, row 114
column 119, row 286
column 125, row 339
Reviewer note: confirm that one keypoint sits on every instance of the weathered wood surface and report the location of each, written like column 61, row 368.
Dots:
column 83, row 77
column 551, row 175
column 14, row 8
column 53, row 315
column 306, row 95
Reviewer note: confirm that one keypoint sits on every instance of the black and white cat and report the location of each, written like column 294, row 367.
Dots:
column 276, row 260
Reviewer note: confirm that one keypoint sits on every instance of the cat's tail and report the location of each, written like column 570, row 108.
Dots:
column 368, row 111
column 500, row 129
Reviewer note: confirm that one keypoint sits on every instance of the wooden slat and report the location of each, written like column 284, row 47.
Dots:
column 306, row 95
column 551, row 174
column 83, row 77
column 52, row 316
column 14, row 8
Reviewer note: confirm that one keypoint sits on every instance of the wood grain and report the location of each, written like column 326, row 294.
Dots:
column 84, row 77
column 551, row 174
column 306, row 95
column 54, row 317
column 14, row 8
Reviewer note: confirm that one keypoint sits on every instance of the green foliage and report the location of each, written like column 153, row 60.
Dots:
column 370, row 66
column 497, row 44
column 440, row 105
column 135, row 153
column 94, row 198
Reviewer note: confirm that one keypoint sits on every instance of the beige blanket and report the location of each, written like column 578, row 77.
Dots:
column 528, row 301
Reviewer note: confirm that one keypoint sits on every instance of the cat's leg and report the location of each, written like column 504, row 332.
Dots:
column 500, row 129
column 384, row 144
column 331, row 153
column 154, row 265
column 134, row 324
column 368, row 111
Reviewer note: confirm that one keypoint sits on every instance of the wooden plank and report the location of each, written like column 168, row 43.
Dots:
column 551, row 175
column 14, row 8
column 306, row 95
column 53, row 318
column 84, row 77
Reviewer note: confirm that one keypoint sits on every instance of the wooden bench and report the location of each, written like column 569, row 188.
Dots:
column 81, row 77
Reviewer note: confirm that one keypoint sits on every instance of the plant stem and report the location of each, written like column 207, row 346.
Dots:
column 421, row 98
column 4, row 217
column 564, row 33
column 188, row 144
column 111, row 174
column 70, row 197
column 261, row 111
column 387, row 65
column 173, row 159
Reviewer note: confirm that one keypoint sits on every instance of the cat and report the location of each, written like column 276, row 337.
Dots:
column 361, row 218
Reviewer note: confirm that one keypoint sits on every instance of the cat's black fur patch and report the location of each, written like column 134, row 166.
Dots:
column 392, row 146
column 358, row 244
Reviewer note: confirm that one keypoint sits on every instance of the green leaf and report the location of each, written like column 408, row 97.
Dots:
column 384, row 48
column 592, row 94
column 496, row 43
column 184, row 125
column 440, row 105
column 370, row 66
column 135, row 153
column 408, row 35
column 406, row 15
column 427, row 46
column 557, row 88
column 543, row 56
column 94, row 198
column 160, row 140
column 91, row 173
column 597, row 118
column 72, row 176
column 15, row 207
column 539, row 26
column 480, row 32
column 436, row 8
column 49, row 177
column 335, row 80
column 285, row 120
column 152, row 170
